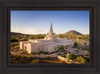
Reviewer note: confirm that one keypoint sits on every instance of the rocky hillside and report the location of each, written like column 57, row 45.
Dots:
column 73, row 32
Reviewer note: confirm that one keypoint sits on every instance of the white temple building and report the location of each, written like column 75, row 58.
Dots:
column 49, row 44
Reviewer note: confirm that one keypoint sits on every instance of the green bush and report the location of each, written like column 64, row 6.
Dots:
column 73, row 56
column 61, row 48
column 75, row 45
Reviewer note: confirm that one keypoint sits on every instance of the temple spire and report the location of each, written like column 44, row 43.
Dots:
column 51, row 30
column 51, row 35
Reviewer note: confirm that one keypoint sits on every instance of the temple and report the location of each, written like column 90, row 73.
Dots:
column 49, row 44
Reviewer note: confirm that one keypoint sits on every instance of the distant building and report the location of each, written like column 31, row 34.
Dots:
column 49, row 44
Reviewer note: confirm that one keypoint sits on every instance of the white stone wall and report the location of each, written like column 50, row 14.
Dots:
column 29, row 48
column 44, row 45
column 21, row 45
column 35, row 47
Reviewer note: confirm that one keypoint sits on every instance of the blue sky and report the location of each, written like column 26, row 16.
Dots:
column 38, row 22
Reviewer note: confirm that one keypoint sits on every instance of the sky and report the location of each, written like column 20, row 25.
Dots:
column 38, row 22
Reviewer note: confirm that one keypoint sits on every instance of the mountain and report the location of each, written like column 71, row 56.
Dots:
column 15, row 33
column 73, row 32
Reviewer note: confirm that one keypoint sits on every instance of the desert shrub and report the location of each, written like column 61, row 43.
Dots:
column 18, row 49
column 48, row 57
column 61, row 48
column 86, row 52
column 25, row 52
column 60, row 36
column 87, row 60
column 68, row 56
column 35, row 61
column 31, row 56
column 21, row 58
column 32, row 52
column 81, row 59
column 73, row 56
column 84, row 48
column 24, row 57
column 18, row 57
column 75, row 45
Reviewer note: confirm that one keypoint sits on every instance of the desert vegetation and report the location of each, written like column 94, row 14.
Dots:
column 21, row 56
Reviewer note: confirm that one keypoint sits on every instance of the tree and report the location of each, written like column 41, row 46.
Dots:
column 79, row 37
column 61, row 48
column 75, row 44
column 60, row 35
